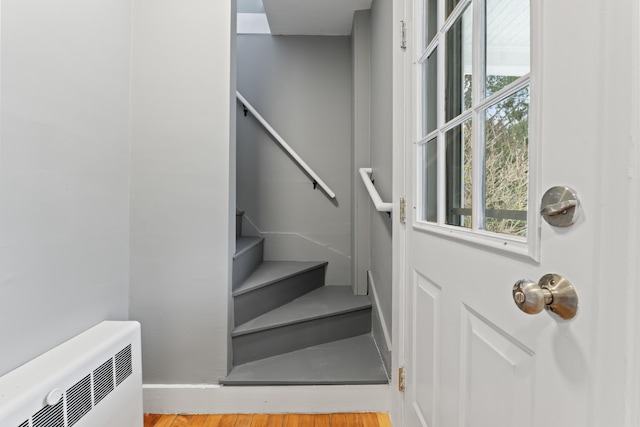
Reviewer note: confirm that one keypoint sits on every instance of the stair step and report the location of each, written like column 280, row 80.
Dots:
column 322, row 302
column 326, row 314
column 274, row 283
column 249, row 254
column 269, row 272
column 350, row 361
column 245, row 244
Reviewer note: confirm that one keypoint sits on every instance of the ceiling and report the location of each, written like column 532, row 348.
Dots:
column 312, row 17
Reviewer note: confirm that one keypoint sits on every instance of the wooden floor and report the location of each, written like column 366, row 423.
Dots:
column 367, row 419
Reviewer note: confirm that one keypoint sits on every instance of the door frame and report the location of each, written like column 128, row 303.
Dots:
column 615, row 394
column 400, row 96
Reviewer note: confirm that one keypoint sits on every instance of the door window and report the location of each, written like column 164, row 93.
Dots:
column 473, row 117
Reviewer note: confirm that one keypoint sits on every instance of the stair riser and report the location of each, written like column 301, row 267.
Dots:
column 238, row 225
column 245, row 263
column 259, row 345
column 262, row 300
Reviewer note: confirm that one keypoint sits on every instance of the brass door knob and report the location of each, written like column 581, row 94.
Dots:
column 553, row 293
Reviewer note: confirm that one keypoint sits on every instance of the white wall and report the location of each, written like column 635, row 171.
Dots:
column 182, row 186
column 302, row 86
column 64, row 171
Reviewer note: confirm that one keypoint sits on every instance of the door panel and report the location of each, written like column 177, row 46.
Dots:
column 496, row 375
column 426, row 327
column 472, row 358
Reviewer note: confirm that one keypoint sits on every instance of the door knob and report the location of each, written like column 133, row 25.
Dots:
column 553, row 292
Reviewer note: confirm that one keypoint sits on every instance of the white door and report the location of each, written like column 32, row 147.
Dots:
column 529, row 94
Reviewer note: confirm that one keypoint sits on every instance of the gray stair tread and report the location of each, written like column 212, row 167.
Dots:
column 322, row 302
column 350, row 361
column 269, row 272
column 244, row 243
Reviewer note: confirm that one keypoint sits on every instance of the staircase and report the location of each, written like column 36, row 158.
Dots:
column 292, row 329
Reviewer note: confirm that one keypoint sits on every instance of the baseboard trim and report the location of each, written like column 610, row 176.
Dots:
column 376, row 303
column 217, row 399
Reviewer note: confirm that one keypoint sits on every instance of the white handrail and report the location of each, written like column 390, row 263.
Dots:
column 373, row 193
column 316, row 179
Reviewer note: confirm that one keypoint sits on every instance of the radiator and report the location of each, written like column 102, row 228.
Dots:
column 92, row 380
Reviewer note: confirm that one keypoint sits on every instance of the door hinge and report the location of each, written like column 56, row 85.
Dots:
column 401, row 380
column 403, row 209
column 403, row 35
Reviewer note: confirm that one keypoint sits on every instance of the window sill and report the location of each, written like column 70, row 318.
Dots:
column 501, row 242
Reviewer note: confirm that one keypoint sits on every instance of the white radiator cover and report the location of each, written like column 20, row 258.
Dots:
column 92, row 380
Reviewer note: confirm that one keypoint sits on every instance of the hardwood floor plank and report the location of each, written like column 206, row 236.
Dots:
column 150, row 420
column 291, row 420
column 346, row 420
column 214, row 420
column 275, row 420
column 306, row 420
column 338, row 420
column 383, row 419
column 228, row 420
column 366, row 419
column 369, row 419
column 354, row 420
column 197, row 420
column 244, row 420
column 165, row 420
column 322, row 420
column 181, row 421
column 259, row 420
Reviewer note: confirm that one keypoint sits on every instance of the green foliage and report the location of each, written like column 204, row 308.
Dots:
column 506, row 155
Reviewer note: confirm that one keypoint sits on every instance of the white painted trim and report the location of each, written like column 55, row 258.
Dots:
column 214, row 398
column 632, row 416
column 376, row 307
column 400, row 149
column 500, row 242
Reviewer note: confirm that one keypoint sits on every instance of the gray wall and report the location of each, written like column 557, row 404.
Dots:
column 182, row 179
column 64, row 171
column 361, row 206
column 381, row 152
column 302, row 86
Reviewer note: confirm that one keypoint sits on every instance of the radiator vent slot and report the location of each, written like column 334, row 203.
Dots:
column 103, row 381
column 78, row 397
column 124, row 366
column 78, row 400
column 49, row 416
column 75, row 377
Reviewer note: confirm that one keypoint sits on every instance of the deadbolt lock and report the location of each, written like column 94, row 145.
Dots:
column 560, row 206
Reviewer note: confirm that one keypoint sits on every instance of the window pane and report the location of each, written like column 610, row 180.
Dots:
column 507, row 164
column 458, row 66
column 458, row 161
column 430, row 95
column 507, row 47
column 430, row 20
column 430, row 181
